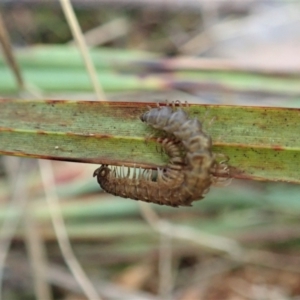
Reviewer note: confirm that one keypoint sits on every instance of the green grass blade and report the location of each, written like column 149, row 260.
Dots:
column 60, row 68
column 262, row 143
column 62, row 56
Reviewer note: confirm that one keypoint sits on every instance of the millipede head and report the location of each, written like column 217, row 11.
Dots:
column 143, row 117
column 96, row 172
column 101, row 172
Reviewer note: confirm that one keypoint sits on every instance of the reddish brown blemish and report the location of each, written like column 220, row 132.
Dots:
column 94, row 135
column 7, row 129
column 278, row 147
column 57, row 101
column 41, row 132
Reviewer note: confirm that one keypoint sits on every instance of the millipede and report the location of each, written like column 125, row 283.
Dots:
column 189, row 173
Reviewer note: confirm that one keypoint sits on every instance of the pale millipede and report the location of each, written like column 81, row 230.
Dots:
column 187, row 176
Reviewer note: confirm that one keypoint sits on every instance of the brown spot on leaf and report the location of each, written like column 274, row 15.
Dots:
column 41, row 132
column 7, row 129
column 278, row 147
column 100, row 136
column 55, row 102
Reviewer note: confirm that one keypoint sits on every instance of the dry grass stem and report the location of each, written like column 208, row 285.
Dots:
column 14, row 213
column 61, row 231
column 105, row 33
column 165, row 267
column 203, row 239
column 37, row 256
column 9, row 55
column 78, row 37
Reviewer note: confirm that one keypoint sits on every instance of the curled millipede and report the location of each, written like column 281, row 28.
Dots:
column 140, row 184
column 187, row 176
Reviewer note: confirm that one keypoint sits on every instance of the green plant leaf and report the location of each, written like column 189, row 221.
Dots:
column 261, row 142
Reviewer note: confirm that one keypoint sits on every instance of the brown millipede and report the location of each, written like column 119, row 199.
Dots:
column 142, row 184
column 187, row 176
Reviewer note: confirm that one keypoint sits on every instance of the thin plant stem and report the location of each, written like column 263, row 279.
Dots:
column 61, row 231
column 218, row 243
column 105, row 33
column 14, row 213
column 37, row 256
column 78, row 37
column 165, row 267
column 9, row 55
column 34, row 242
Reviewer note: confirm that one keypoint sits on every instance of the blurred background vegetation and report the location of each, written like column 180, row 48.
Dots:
column 242, row 241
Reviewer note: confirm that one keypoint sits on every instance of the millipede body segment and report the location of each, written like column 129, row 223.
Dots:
column 187, row 176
